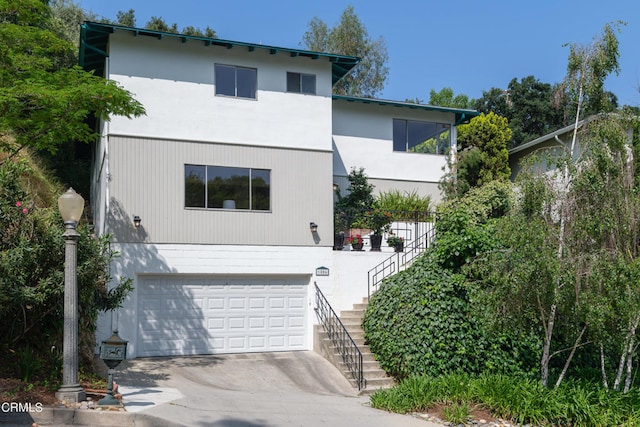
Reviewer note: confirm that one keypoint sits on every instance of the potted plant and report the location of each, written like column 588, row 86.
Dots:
column 378, row 221
column 339, row 225
column 396, row 242
column 356, row 242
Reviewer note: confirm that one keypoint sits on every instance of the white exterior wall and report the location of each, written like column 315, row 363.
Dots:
column 176, row 84
column 363, row 137
column 346, row 284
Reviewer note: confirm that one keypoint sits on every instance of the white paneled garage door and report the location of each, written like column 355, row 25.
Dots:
column 182, row 315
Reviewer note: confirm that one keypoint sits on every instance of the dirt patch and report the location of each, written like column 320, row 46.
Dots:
column 14, row 390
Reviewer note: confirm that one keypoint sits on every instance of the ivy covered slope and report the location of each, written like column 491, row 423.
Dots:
column 32, row 274
column 422, row 320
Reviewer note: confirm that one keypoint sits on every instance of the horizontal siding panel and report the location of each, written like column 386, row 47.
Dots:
column 147, row 179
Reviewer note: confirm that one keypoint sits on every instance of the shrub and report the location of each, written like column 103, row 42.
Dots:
column 32, row 275
column 399, row 204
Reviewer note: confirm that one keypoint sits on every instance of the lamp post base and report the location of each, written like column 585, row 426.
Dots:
column 71, row 394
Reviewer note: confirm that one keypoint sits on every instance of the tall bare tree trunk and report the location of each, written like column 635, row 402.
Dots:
column 568, row 361
column 544, row 362
column 605, row 383
column 626, row 350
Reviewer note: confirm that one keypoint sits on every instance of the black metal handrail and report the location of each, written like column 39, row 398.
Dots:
column 392, row 265
column 339, row 336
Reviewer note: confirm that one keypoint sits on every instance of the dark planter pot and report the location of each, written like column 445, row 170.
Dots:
column 338, row 242
column 357, row 246
column 399, row 247
column 376, row 242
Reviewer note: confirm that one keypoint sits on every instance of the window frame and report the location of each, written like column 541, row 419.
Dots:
column 252, row 174
column 406, row 140
column 300, row 83
column 235, row 68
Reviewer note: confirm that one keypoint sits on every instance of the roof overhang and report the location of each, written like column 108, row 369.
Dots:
column 94, row 38
column 461, row 115
column 548, row 137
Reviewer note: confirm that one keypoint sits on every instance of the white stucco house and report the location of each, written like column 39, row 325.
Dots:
column 237, row 155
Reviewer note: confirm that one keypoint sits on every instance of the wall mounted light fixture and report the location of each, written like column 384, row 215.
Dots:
column 136, row 221
column 314, row 227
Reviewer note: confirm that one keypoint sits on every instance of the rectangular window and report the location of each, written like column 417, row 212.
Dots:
column 421, row 137
column 239, row 82
column 301, row 83
column 222, row 187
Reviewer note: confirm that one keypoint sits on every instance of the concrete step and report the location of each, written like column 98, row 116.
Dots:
column 377, row 383
column 347, row 321
column 351, row 313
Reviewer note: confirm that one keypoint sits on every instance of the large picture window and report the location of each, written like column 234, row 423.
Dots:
column 222, row 187
column 421, row 137
column 301, row 83
column 240, row 82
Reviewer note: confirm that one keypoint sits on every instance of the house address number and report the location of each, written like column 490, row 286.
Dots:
column 322, row 271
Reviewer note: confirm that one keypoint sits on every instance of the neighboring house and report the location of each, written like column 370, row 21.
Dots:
column 236, row 157
column 548, row 148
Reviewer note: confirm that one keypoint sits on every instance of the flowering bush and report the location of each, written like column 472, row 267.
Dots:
column 394, row 240
column 378, row 220
column 355, row 240
column 32, row 253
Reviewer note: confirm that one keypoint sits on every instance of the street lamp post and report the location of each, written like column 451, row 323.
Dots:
column 71, row 205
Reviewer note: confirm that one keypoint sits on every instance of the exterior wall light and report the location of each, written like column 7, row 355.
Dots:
column 314, row 227
column 136, row 221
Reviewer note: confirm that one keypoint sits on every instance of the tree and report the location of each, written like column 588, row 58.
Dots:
column 350, row 37
column 533, row 108
column 353, row 207
column 44, row 103
column 66, row 18
column 446, row 98
column 157, row 23
column 482, row 154
column 573, row 266
column 128, row 18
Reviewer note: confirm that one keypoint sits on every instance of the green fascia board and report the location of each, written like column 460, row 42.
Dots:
column 94, row 37
column 461, row 115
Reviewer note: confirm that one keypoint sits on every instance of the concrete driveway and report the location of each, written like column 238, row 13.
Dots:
column 248, row 390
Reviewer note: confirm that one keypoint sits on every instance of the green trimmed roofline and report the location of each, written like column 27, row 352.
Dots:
column 94, row 38
column 462, row 115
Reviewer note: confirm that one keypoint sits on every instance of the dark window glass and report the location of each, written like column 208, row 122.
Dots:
column 308, row 84
column 399, row 135
column 421, row 137
column 246, row 81
column 225, row 80
column 301, row 83
column 194, row 186
column 227, row 187
column 293, row 82
column 220, row 187
column 260, row 189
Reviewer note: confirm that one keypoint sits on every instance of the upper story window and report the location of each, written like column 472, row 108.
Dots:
column 421, row 137
column 301, row 83
column 223, row 187
column 240, row 82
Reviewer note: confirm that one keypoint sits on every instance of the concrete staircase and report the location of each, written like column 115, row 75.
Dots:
column 374, row 376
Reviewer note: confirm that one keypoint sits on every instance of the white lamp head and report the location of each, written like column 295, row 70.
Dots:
column 71, row 205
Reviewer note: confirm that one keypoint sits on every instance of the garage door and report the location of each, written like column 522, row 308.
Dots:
column 180, row 315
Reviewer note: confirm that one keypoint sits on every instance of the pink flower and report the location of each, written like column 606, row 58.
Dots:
column 25, row 211
column 18, row 204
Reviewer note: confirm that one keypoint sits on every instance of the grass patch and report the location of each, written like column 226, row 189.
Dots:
column 518, row 400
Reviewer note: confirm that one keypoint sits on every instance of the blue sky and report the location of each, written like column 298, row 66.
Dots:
column 467, row 45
